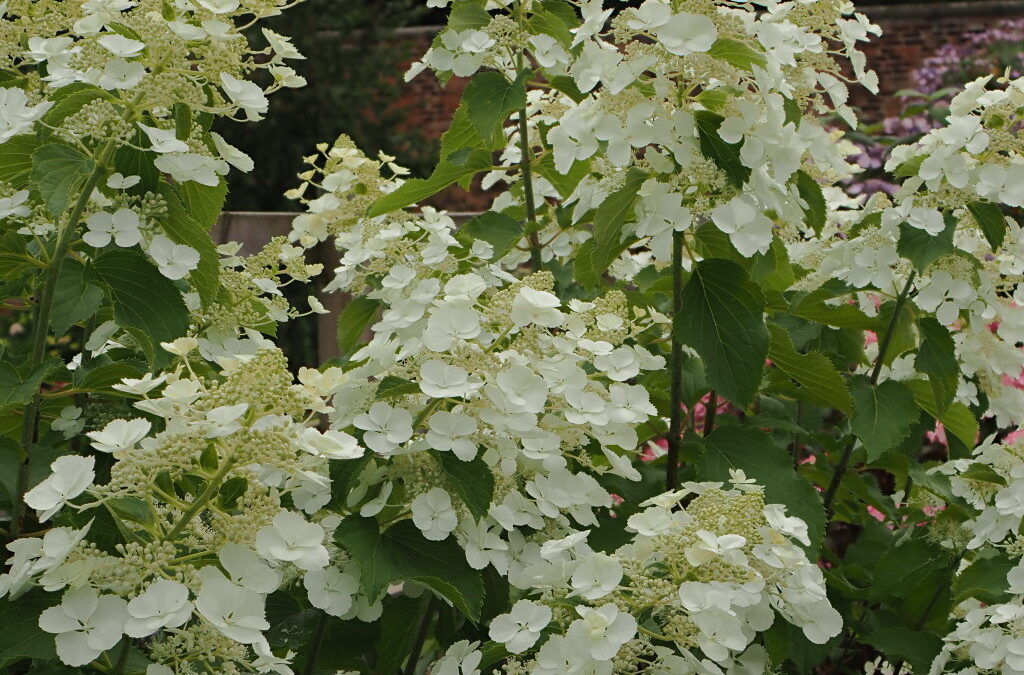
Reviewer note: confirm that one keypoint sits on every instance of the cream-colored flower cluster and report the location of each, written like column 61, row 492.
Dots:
column 707, row 577
column 212, row 500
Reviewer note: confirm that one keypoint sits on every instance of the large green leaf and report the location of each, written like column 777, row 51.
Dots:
column 142, row 298
column 957, row 418
column 725, row 155
column 204, row 202
column 19, row 385
column 181, row 228
column 937, row 359
column 353, row 321
column 811, row 193
column 401, row 553
column 897, row 570
column 472, row 481
column 21, row 637
column 820, row 382
column 490, row 98
column 754, row 452
column 611, row 217
column 918, row 648
column 922, row 248
column 451, row 169
column 723, row 319
column 399, row 625
column 882, row 415
column 991, row 220
column 16, row 160
column 58, row 172
column 76, row 297
column 500, row 231
column 739, row 54
column 985, row 580
column 69, row 100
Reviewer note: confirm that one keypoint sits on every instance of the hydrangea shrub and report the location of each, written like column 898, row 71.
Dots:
column 660, row 409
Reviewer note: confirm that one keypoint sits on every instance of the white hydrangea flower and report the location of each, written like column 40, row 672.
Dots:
column 433, row 514
column 291, row 538
column 164, row 604
column 119, row 435
column 86, row 625
column 71, row 476
column 520, row 629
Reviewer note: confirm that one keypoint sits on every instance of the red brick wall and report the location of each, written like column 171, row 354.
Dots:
column 911, row 34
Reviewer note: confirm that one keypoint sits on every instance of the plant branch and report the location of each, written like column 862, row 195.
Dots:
column 200, row 502
column 318, row 644
column 883, row 347
column 525, row 160
column 41, row 324
column 421, row 637
column 675, row 427
column 710, row 411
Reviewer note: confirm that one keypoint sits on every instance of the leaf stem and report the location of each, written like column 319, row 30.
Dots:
column 883, row 347
column 675, row 427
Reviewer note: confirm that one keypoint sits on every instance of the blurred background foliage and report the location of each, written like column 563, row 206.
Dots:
column 354, row 71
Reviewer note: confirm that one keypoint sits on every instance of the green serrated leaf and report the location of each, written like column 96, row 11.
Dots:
column 16, row 160
column 882, row 416
column 393, row 387
column 957, row 418
column 467, row 14
column 610, row 220
column 991, row 220
column 819, row 380
column 76, row 297
column 917, row 648
column 897, row 570
column 22, row 638
column 472, row 481
column 418, row 189
column 936, row 358
column 755, row 453
column 19, row 385
column 181, row 228
column 69, row 100
column 500, row 231
column 811, row 193
column 353, row 321
column 984, row 473
column 58, row 172
column 549, row 23
column 399, row 624
column 104, row 375
column 723, row 319
column 984, row 580
column 565, row 184
column 142, row 298
column 739, row 54
column 490, row 98
column 725, row 155
column 204, row 202
column 922, row 248
column 401, row 553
